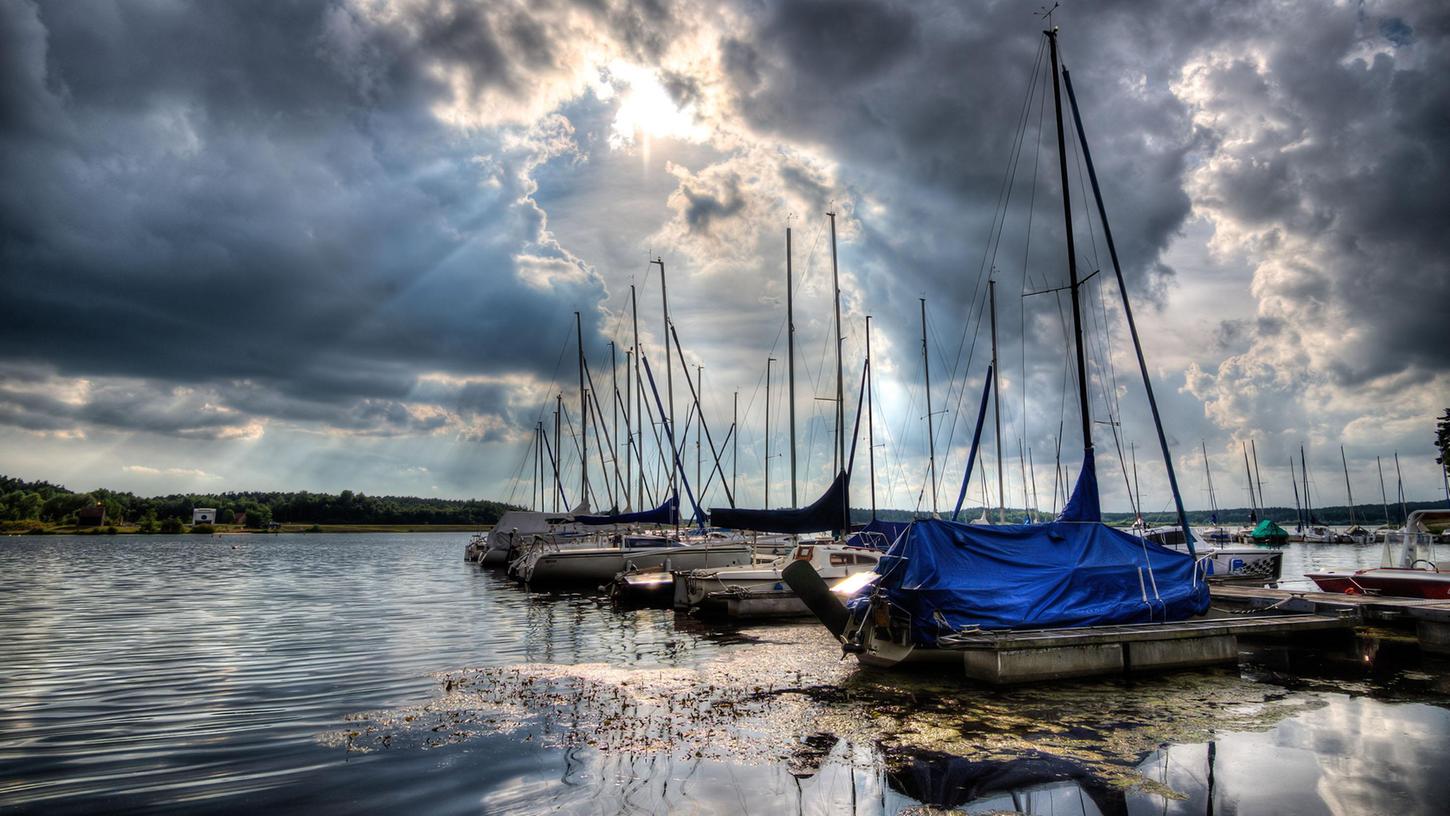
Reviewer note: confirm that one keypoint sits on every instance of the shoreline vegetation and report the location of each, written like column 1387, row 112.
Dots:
column 41, row 508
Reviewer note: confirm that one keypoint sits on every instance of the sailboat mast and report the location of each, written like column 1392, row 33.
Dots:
column 735, row 445
column 669, row 389
column 558, row 451
column 1082, row 381
column 1348, row 491
column 1298, row 509
column 1384, row 499
column 1036, row 507
column 1137, row 491
column 1254, row 451
column 930, row 438
column 1400, row 489
column 996, row 406
column 1249, row 477
column 840, row 384
column 583, row 414
column 768, row 361
column 1212, row 499
column 638, row 394
column 614, row 407
column 1304, row 471
column 840, row 376
column 699, row 412
column 790, row 363
column 1022, row 461
column 870, row 421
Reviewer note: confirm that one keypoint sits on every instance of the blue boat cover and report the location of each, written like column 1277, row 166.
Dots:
column 826, row 513
column 667, row 513
column 1073, row 571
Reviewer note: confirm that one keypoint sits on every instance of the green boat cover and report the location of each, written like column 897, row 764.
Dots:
column 1270, row 533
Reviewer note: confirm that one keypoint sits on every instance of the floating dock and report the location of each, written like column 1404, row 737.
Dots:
column 1429, row 618
column 1032, row 655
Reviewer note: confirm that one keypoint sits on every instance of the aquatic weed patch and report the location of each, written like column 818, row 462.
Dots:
column 790, row 701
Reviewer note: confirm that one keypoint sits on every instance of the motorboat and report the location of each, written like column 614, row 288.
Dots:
column 1408, row 565
column 1224, row 564
column 832, row 560
column 475, row 547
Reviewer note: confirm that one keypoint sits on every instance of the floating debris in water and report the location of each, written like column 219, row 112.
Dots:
column 790, row 700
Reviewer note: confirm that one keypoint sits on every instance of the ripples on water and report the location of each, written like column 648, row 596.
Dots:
column 380, row 673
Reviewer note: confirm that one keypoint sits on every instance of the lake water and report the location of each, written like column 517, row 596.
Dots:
column 380, row 673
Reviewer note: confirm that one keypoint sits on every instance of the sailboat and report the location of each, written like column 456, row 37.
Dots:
column 945, row 581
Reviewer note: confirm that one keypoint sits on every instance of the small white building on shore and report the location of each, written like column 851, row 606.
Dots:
column 203, row 515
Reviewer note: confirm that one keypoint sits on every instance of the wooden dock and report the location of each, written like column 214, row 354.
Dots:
column 1429, row 618
column 1023, row 656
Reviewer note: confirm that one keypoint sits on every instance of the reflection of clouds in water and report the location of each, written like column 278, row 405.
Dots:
column 1391, row 759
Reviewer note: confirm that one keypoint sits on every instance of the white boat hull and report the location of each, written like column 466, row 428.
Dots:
column 599, row 566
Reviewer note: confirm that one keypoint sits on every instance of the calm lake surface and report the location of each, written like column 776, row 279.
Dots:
column 380, row 673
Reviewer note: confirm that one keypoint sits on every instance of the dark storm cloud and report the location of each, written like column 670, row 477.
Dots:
column 198, row 194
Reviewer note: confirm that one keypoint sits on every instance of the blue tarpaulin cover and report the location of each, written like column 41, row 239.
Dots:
column 1073, row 571
column 666, row 513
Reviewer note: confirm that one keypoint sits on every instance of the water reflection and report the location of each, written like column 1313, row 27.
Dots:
column 380, row 673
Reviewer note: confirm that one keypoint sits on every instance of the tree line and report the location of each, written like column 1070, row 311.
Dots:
column 54, row 504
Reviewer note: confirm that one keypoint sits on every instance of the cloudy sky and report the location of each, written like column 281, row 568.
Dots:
column 327, row 245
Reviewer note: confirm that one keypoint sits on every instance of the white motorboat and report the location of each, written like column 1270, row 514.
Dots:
column 832, row 561
column 544, row 563
column 1226, row 564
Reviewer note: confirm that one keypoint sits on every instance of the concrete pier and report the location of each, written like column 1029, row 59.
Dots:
column 1024, row 656
column 1430, row 619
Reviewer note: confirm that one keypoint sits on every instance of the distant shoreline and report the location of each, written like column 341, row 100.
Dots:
column 15, row 528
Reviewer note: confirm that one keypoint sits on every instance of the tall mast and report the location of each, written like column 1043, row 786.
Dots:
column 840, row 382
column 1212, row 500
column 1348, row 491
column 638, row 394
column 699, row 412
column 1400, row 489
column 790, row 362
column 1304, row 470
column 1036, row 507
column 558, row 451
column 1254, row 451
column 870, row 421
column 583, row 414
column 768, row 361
column 669, row 388
column 1249, row 477
column 1022, row 460
column 1385, row 499
column 735, row 445
column 930, row 438
column 1127, row 306
column 614, row 406
column 1137, row 492
column 1082, row 381
column 628, row 431
column 1298, row 510
column 997, row 406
